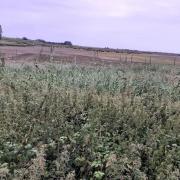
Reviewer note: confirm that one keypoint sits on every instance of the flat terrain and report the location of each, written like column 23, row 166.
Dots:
column 19, row 51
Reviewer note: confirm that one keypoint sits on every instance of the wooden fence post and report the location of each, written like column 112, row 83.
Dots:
column 174, row 62
column 2, row 61
column 131, row 59
column 120, row 58
column 150, row 60
column 75, row 59
column 126, row 59
column 94, row 55
column 16, row 55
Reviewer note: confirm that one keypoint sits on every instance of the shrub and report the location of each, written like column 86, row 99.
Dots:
column 68, row 43
column 25, row 38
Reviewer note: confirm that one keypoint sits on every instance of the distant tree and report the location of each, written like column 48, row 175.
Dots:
column 25, row 38
column 0, row 32
column 68, row 43
column 41, row 40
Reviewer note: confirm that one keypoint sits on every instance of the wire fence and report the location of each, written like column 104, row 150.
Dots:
column 13, row 54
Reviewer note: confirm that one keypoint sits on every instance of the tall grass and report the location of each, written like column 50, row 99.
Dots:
column 74, row 122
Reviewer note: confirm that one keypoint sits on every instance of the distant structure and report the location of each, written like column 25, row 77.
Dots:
column 0, row 32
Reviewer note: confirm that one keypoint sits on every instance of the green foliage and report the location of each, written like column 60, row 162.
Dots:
column 98, row 175
column 74, row 122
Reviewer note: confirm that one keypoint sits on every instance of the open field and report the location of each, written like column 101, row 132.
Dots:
column 16, row 51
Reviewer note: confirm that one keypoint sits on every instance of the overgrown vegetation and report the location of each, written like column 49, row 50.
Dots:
column 72, row 122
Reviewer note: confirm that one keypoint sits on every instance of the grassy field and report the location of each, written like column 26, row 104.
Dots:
column 85, row 122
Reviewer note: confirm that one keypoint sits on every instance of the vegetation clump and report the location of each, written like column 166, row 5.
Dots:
column 74, row 122
column 68, row 43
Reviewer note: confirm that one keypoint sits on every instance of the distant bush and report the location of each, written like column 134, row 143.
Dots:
column 68, row 43
column 41, row 40
column 25, row 38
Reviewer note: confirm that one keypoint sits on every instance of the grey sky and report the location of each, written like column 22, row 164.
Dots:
column 132, row 24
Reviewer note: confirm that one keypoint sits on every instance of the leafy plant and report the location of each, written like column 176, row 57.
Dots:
column 75, row 122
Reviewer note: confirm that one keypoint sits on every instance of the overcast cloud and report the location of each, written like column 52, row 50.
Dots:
column 134, row 24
